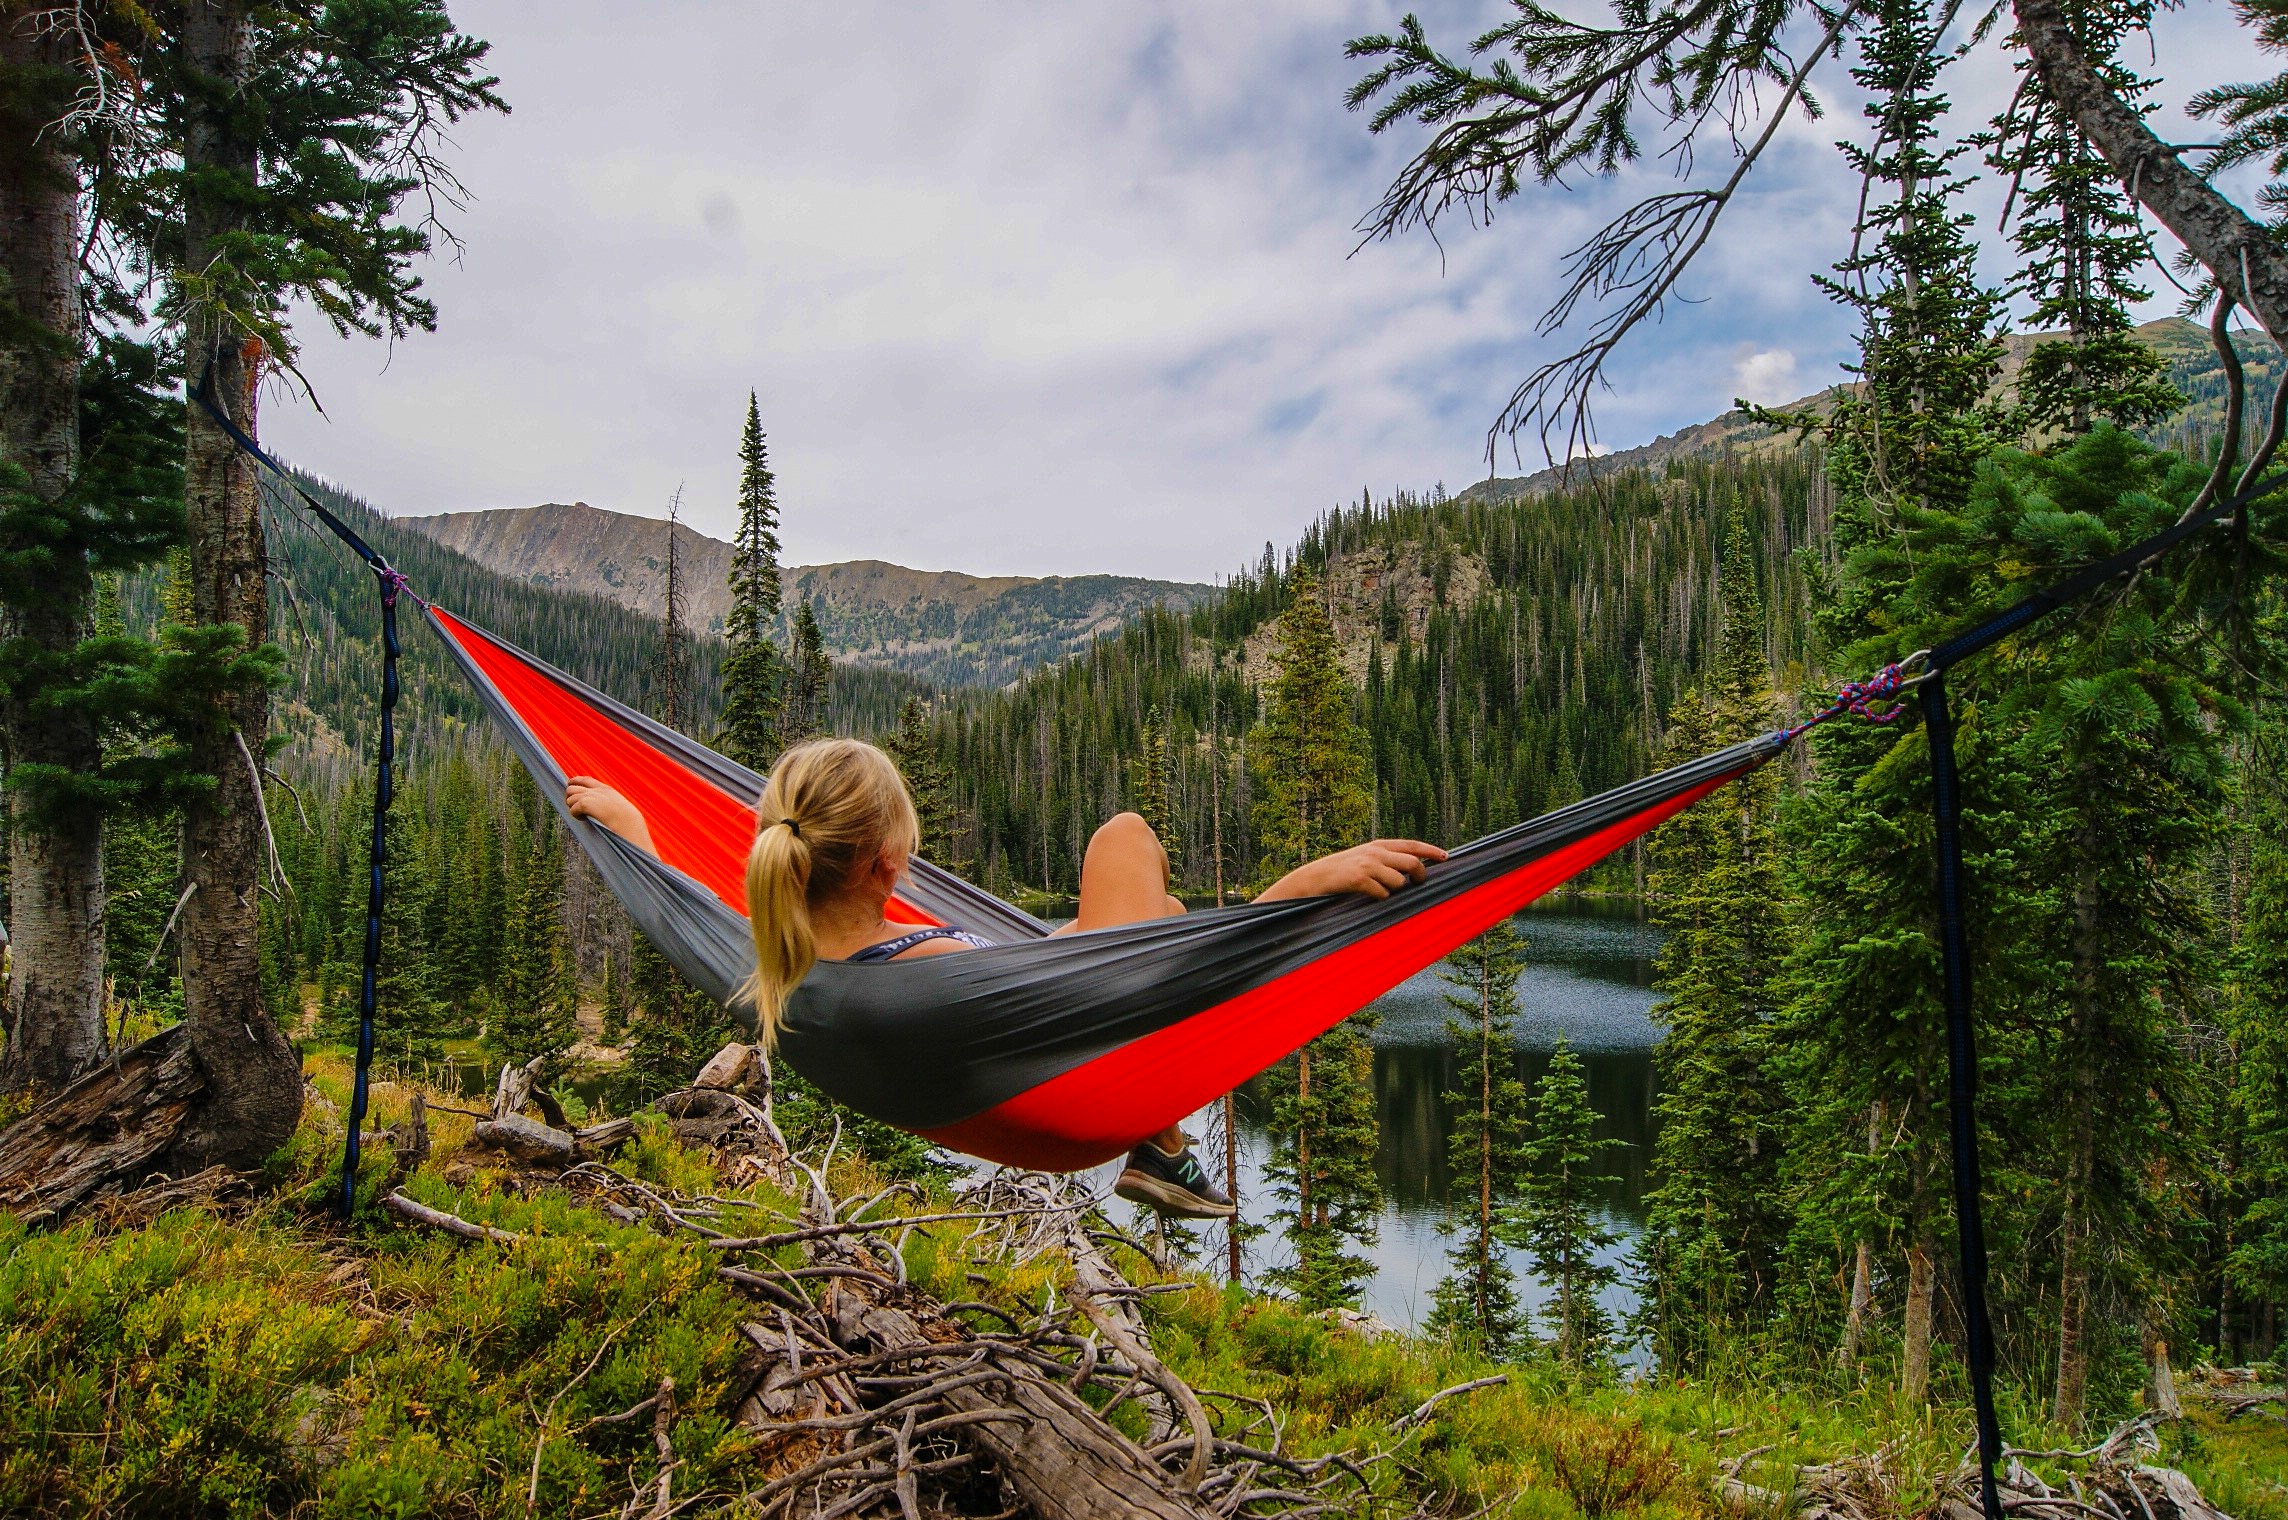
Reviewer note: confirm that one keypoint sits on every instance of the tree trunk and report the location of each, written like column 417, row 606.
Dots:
column 2080, row 1057
column 254, row 1079
column 1914, row 1362
column 2073, row 1307
column 1862, row 1267
column 55, row 993
column 2247, row 262
column 1862, row 1299
column 1231, row 1179
column 1485, row 1146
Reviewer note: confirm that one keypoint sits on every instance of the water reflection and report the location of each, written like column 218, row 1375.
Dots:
column 1589, row 978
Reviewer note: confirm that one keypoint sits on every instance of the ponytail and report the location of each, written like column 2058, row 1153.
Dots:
column 830, row 809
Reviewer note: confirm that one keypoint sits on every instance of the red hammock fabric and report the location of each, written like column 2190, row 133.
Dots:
column 701, row 830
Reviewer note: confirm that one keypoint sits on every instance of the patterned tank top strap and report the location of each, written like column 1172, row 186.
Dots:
column 890, row 949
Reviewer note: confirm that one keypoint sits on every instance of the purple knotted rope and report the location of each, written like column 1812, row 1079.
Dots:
column 1858, row 698
column 391, row 583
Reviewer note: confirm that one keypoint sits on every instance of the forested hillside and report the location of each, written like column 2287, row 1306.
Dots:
column 1510, row 656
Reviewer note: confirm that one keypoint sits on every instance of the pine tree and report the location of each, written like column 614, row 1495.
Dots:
column 2080, row 249
column 1314, row 788
column 1714, row 1227
column 1150, row 780
column 671, row 677
column 534, row 1005
column 1560, row 1212
column 302, row 136
column 1486, row 1146
column 1324, row 1133
column 804, row 714
column 915, row 752
column 752, row 670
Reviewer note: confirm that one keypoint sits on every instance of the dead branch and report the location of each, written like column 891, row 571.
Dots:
column 452, row 1224
column 1421, row 1411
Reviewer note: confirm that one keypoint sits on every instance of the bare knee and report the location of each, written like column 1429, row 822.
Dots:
column 1126, row 832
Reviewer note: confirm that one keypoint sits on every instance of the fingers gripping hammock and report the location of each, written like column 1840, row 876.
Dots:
column 1059, row 1053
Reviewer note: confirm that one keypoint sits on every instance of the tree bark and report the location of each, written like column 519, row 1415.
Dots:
column 254, row 1080
column 1862, row 1300
column 1862, row 1267
column 2080, row 1055
column 55, row 865
column 2247, row 263
column 1914, row 1360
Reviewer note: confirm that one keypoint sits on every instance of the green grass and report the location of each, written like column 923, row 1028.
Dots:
column 275, row 1362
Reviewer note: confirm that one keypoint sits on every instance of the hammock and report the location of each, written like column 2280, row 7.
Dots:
column 1053, row 1053
column 1061, row 1053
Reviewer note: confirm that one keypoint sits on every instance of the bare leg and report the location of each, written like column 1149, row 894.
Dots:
column 1124, row 880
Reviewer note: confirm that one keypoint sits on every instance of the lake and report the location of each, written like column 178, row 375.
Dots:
column 1589, row 979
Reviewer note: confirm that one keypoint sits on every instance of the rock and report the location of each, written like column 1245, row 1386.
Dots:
column 729, row 1069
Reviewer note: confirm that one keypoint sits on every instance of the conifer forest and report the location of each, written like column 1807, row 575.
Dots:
column 360, row 1155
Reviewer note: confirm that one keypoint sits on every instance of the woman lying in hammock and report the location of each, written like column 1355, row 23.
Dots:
column 836, row 831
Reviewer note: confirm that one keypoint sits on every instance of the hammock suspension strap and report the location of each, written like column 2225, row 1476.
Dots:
column 390, row 583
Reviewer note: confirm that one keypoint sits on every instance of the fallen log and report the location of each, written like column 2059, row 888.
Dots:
column 104, row 1134
column 526, row 1139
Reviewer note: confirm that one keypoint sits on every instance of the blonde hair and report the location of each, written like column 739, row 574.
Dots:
column 830, row 809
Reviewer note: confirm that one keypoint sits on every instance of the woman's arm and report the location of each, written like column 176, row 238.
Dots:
column 1374, row 869
column 588, row 798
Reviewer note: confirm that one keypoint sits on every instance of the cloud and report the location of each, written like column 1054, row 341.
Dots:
column 1031, row 288
column 1767, row 377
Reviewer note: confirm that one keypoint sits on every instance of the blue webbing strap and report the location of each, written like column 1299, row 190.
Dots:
column 384, row 782
column 1962, row 1087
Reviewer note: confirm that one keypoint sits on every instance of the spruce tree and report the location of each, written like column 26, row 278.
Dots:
column 1324, row 1133
column 1314, row 791
column 1487, row 1153
column 2124, row 732
column 1560, row 1210
column 533, row 1009
column 1714, row 1227
column 1314, row 795
column 1862, row 1047
column 803, row 716
column 1151, row 781
column 2256, row 1026
column 915, row 752
column 753, row 673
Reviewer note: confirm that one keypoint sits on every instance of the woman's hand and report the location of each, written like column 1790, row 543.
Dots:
column 1374, row 869
column 586, row 797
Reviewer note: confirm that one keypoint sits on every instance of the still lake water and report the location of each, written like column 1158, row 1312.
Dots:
column 1589, row 979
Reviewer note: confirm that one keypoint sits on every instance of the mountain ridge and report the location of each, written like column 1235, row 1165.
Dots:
column 944, row 626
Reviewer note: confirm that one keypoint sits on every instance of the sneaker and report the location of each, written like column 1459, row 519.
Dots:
column 1175, row 1185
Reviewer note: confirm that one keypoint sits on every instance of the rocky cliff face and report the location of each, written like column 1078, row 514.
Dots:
column 947, row 627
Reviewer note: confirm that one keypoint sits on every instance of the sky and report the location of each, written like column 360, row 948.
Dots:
column 1029, row 288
